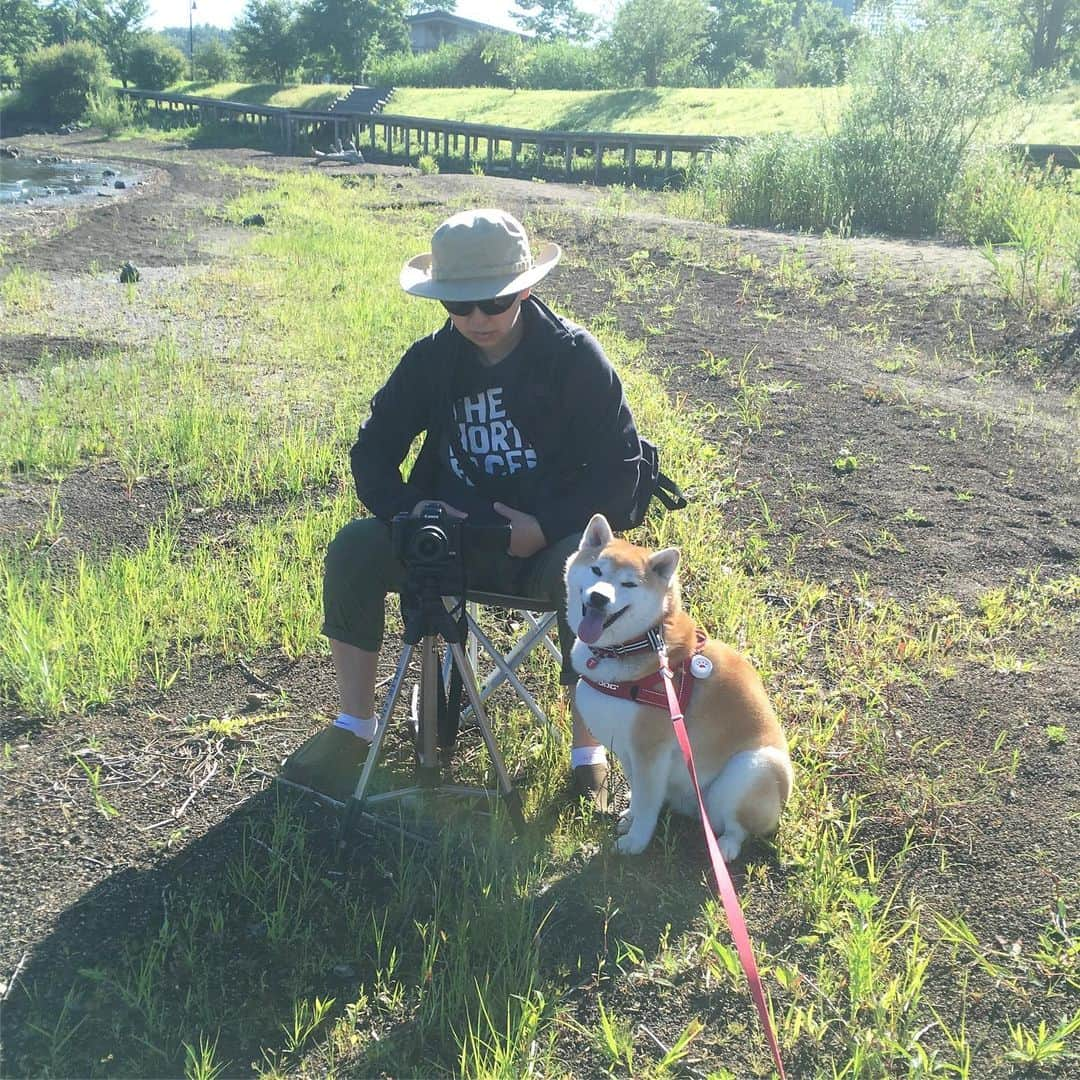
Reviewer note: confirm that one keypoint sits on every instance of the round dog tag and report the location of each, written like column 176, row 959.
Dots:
column 701, row 667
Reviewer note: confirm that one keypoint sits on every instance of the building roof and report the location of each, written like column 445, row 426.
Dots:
column 457, row 20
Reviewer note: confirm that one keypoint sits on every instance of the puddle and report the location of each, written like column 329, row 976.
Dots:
column 47, row 179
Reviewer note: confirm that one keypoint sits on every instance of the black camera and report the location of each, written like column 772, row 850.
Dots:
column 429, row 541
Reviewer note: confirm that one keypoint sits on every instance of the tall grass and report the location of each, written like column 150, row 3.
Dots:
column 891, row 162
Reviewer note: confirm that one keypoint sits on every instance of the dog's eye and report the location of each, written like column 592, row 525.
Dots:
column 596, row 570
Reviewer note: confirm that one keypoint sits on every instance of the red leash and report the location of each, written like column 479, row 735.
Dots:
column 737, row 924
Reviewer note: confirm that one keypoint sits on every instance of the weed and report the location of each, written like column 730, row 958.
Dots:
column 1041, row 1045
column 1056, row 735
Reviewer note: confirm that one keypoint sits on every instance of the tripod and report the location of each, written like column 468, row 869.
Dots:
column 427, row 620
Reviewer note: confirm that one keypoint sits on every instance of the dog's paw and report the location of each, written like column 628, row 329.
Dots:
column 626, row 819
column 730, row 844
column 632, row 843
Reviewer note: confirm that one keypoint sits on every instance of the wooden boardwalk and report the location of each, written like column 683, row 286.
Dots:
column 515, row 151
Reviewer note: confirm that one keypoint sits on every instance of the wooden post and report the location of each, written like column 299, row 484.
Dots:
column 515, row 146
column 569, row 158
column 468, row 156
column 425, row 137
column 598, row 156
column 631, row 159
column 407, row 143
column 490, row 153
column 389, row 139
column 371, row 132
column 667, row 158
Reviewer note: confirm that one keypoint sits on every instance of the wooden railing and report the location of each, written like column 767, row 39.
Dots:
column 408, row 137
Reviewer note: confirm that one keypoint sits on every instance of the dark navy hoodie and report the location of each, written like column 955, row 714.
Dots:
column 573, row 451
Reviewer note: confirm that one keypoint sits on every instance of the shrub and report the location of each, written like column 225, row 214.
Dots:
column 154, row 64
column 495, row 60
column 484, row 60
column 563, row 65
column 109, row 112
column 896, row 160
column 916, row 103
column 57, row 81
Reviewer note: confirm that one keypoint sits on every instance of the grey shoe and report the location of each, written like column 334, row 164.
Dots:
column 589, row 783
column 329, row 763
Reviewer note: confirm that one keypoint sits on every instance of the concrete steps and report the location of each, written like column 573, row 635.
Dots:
column 362, row 101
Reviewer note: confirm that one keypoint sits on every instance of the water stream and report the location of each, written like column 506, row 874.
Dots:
column 47, row 179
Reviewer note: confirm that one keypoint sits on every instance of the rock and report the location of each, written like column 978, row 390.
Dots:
column 9, row 151
column 255, row 702
column 253, row 219
column 120, row 185
column 129, row 274
column 108, row 174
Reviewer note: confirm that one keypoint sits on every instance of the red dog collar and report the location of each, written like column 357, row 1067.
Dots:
column 649, row 689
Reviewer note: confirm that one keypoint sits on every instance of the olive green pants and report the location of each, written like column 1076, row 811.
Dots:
column 361, row 569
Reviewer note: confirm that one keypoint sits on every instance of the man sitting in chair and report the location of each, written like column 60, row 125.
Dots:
column 525, row 422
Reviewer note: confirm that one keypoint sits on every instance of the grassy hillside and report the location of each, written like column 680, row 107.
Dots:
column 300, row 96
column 690, row 111
column 682, row 111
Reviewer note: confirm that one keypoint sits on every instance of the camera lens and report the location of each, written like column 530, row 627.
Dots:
column 429, row 545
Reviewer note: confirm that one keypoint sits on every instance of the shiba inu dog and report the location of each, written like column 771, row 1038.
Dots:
column 621, row 596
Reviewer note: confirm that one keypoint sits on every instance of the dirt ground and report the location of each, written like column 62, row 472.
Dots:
column 959, row 413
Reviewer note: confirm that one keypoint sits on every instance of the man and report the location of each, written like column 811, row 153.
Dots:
column 524, row 421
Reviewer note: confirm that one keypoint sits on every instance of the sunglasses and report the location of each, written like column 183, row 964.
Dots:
column 488, row 307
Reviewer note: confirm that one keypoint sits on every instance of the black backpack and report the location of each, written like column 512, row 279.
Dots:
column 652, row 483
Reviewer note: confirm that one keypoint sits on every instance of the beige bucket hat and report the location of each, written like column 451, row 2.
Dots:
column 477, row 255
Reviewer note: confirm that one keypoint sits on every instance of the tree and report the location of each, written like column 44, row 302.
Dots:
column 1045, row 33
column 154, row 64
column 815, row 52
column 117, row 26
column 652, row 40
column 214, row 61
column 742, row 33
column 22, row 30
column 340, row 34
column 70, row 20
column 549, row 20
column 266, row 39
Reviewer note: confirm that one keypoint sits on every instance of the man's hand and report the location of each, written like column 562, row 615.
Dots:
column 526, row 536
column 453, row 511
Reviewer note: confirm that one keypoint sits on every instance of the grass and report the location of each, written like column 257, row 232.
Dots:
column 474, row 956
column 675, row 111
column 697, row 111
column 316, row 96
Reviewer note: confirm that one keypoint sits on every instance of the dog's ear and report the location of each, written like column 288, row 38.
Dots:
column 597, row 533
column 664, row 563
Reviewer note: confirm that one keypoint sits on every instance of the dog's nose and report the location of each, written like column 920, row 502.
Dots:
column 597, row 600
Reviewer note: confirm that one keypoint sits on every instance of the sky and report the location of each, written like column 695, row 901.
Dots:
column 225, row 12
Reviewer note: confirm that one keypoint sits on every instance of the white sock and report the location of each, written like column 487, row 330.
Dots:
column 588, row 755
column 362, row 729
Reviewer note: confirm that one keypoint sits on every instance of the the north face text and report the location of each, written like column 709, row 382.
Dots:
column 489, row 436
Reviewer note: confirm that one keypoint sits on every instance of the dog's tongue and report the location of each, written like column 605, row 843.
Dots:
column 591, row 626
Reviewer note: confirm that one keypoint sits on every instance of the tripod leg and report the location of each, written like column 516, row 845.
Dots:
column 509, row 793
column 428, row 769
column 354, row 806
